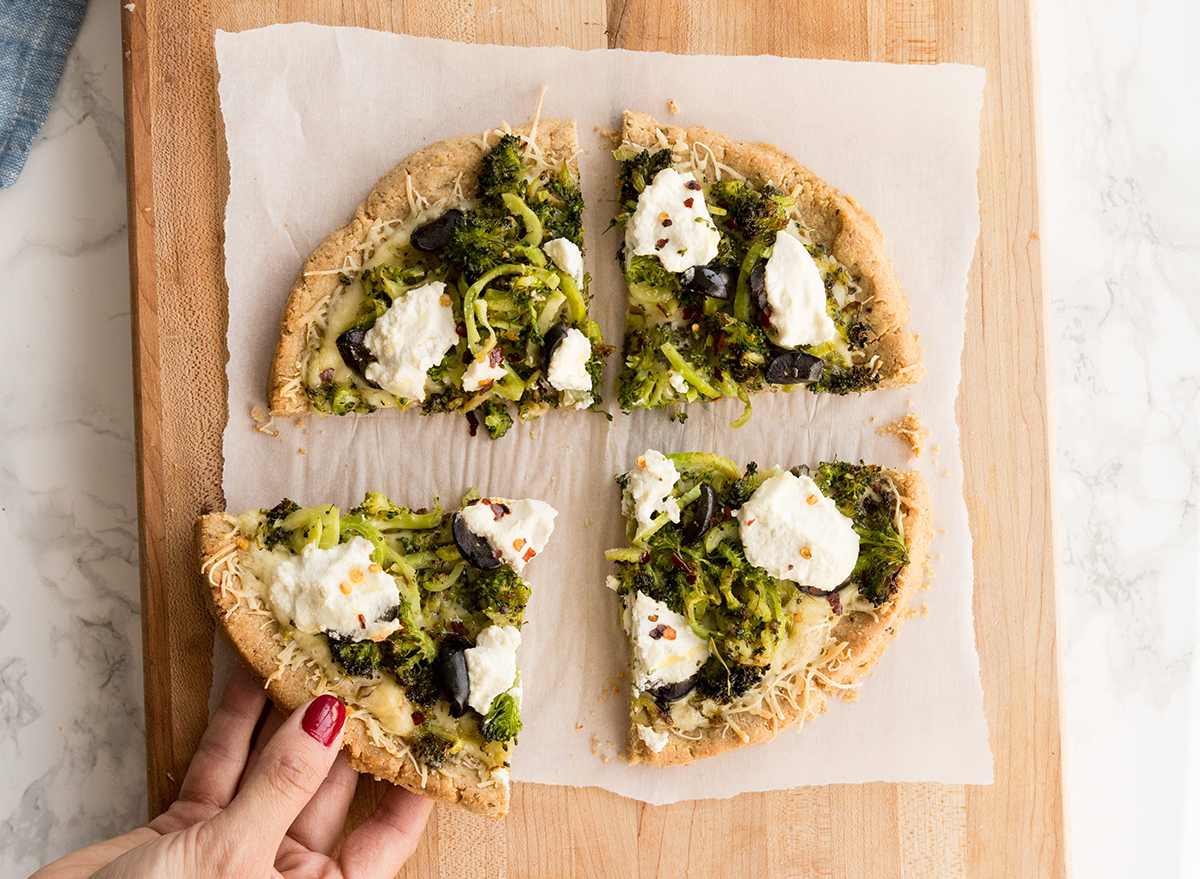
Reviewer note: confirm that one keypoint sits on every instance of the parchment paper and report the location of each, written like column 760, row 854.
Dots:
column 315, row 115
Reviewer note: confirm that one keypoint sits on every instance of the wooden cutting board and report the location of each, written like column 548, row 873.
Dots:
column 178, row 181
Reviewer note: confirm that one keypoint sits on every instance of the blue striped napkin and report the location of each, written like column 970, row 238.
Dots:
column 35, row 36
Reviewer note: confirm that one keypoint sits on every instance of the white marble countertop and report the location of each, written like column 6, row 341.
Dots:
column 1122, row 187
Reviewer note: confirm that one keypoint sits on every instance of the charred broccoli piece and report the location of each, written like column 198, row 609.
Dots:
column 271, row 530
column 480, row 242
column 741, row 490
column 496, row 418
column 358, row 658
column 432, row 748
column 838, row 379
column 500, row 595
column 725, row 684
column 647, row 271
column 638, row 171
column 420, row 684
column 503, row 720
column 744, row 349
column 559, row 207
column 753, row 213
column 503, row 171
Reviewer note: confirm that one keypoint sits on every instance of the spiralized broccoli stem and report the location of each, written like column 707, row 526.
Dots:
column 684, row 369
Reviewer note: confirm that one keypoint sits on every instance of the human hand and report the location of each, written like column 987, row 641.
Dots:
column 267, row 805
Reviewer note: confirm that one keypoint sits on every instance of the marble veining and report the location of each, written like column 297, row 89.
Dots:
column 1123, row 236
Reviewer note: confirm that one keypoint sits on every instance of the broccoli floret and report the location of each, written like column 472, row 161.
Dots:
column 741, row 490
column 857, row 334
column 752, row 212
column 432, row 748
column 496, row 418
column 271, row 531
column 337, row 399
column 503, row 171
column 420, row 684
column 500, row 595
column 376, row 506
column 445, row 401
column 722, row 684
column 503, row 720
column 647, row 271
column 744, row 349
column 480, row 242
column 408, row 647
column 559, row 207
column 840, row 380
column 638, row 171
column 861, row 493
column 358, row 658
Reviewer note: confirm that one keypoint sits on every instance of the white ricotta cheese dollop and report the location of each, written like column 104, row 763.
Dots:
column 411, row 338
column 677, row 381
column 492, row 665
column 665, row 649
column 518, row 530
column 796, row 533
column 482, row 373
column 568, row 366
column 334, row 590
column 796, row 294
column 566, row 256
column 672, row 222
column 655, row 739
column 648, row 490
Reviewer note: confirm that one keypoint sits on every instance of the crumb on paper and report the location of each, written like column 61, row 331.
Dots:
column 597, row 128
column 945, row 472
column 925, row 610
column 935, row 449
column 908, row 429
column 672, row 107
column 129, row 7
column 938, row 556
column 263, row 423
column 874, row 418
column 941, row 531
column 588, row 521
column 604, row 758
column 579, row 726
column 302, row 451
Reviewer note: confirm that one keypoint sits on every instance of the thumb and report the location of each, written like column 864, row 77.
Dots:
column 287, row 775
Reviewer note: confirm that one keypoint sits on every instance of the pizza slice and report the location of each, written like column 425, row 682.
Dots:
column 749, row 597
column 458, row 286
column 411, row 617
column 745, row 271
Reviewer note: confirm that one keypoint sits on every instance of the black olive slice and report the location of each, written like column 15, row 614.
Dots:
column 665, row 693
column 354, row 351
column 793, row 368
column 450, row 671
column 758, row 284
column 435, row 234
column 717, row 283
column 553, row 338
column 704, row 515
column 800, row 470
column 474, row 549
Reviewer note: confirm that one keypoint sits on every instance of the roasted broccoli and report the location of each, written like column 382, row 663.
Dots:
column 559, row 205
column 496, row 418
column 420, row 684
column 503, row 171
column 503, row 720
column 358, row 658
column 432, row 748
column 638, row 171
column 480, row 242
column 841, row 379
column 271, row 531
column 752, row 213
column 500, row 595
column 723, row 683
column 744, row 349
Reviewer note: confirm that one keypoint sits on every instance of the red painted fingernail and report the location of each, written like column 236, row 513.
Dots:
column 324, row 718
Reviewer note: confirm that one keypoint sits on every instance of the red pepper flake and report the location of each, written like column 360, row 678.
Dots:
column 326, row 375
column 499, row 510
column 666, row 222
column 461, row 329
column 658, row 631
column 687, row 203
column 467, row 355
column 458, row 628
column 362, row 621
column 668, row 633
column 835, row 602
column 693, row 185
column 529, row 553
column 660, row 243
column 518, row 543
column 495, row 357
column 751, row 521
column 677, row 560
column 496, row 554
column 418, row 718
column 645, row 558
column 473, row 421
column 653, row 618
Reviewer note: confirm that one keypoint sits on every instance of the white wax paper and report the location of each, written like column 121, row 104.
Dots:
column 315, row 115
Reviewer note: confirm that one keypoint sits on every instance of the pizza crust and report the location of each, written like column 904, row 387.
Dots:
column 434, row 172
column 256, row 640
column 866, row 639
column 835, row 220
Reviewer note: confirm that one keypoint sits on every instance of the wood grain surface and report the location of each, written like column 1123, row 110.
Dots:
column 178, row 181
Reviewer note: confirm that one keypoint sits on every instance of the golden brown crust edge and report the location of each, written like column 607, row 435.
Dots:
column 837, row 221
column 434, row 172
column 866, row 640
column 252, row 640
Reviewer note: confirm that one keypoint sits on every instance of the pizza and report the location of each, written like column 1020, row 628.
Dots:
column 411, row 617
column 751, row 596
column 457, row 286
column 745, row 271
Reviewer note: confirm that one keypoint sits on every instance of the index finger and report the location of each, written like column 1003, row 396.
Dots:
column 212, row 778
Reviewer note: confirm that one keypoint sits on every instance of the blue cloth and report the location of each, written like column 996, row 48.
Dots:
column 35, row 36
